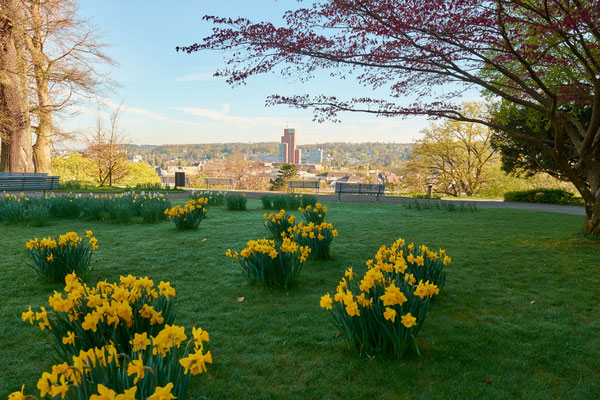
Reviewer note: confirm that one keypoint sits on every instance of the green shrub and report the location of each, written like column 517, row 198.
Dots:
column 546, row 196
column 152, row 209
column 271, row 263
column 94, row 208
column 38, row 214
column 214, row 198
column 280, row 202
column 236, row 202
column 294, row 201
column 65, row 206
column 308, row 200
column 120, row 210
column 424, row 196
column 13, row 209
column 287, row 202
column 267, row 201
column 55, row 258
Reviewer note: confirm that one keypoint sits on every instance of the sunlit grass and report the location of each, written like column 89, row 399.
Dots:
column 518, row 317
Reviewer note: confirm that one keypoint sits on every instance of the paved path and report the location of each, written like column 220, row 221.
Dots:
column 483, row 203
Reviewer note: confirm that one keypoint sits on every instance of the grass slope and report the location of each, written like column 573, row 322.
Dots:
column 518, row 317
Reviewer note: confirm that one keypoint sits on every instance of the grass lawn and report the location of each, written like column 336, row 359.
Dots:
column 518, row 317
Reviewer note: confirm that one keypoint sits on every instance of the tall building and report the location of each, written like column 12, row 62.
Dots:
column 288, row 151
column 313, row 155
column 283, row 150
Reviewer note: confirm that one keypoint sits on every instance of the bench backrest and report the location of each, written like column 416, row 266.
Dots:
column 304, row 184
column 27, row 183
column 360, row 188
column 23, row 174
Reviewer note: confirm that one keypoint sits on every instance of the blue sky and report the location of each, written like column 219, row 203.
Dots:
column 172, row 97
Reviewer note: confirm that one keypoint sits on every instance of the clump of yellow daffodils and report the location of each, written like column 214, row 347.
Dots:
column 54, row 258
column 271, row 263
column 385, row 308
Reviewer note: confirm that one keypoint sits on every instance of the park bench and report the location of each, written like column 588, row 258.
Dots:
column 219, row 182
column 27, row 181
column 304, row 185
column 376, row 189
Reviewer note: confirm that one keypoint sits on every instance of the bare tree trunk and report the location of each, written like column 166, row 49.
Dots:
column 14, row 107
column 3, row 156
column 44, row 131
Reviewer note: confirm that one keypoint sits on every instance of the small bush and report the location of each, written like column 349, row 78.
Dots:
column 13, row 209
column 424, row 196
column 308, row 200
column 94, row 208
column 236, row 202
column 214, row 198
column 315, row 214
column 267, row 201
column 190, row 215
column 287, row 202
column 64, row 206
column 279, row 225
column 120, row 210
column 54, row 259
column 317, row 237
column 546, row 196
column 294, row 201
column 38, row 214
column 152, row 209
column 271, row 263
column 438, row 205
column 280, row 202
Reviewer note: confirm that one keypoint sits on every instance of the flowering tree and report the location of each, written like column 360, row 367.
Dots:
column 543, row 55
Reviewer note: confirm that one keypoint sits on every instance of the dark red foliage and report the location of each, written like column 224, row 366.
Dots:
column 541, row 55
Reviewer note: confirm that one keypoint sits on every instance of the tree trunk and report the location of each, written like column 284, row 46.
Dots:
column 44, row 131
column 14, row 105
column 41, row 152
column 3, row 156
column 591, row 226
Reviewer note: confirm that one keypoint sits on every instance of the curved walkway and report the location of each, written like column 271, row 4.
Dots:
column 483, row 203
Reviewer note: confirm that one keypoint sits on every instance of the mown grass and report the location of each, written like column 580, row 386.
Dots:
column 518, row 317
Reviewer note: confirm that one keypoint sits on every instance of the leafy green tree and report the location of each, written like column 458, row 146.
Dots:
column 286, row 172
column 456, row 154
column 74, row 167
column 139, row 174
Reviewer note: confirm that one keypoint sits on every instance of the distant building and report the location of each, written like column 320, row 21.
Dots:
column 312, row 156
column 283, row 152
column 287, row 149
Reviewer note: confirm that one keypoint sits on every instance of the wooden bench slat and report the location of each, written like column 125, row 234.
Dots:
column 28, row 182
column 304, row 185
column 376, row 189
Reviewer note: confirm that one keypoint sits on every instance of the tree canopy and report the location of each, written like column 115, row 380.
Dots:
column 543, row 55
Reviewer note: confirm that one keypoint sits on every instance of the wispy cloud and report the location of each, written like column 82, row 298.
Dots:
column 199, row 76
column 223, row 116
